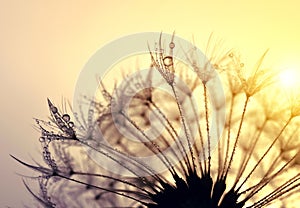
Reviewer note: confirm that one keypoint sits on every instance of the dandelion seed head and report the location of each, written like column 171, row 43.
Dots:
column 146, row 142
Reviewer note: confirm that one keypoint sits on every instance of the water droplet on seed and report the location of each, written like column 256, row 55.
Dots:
column 64, row 128
column 66, row 117
column 172, row 45
column 61, row 124
column 168, row 61
column 71, row 124
column 54, row 109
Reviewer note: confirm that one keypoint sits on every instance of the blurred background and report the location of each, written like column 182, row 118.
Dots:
column 44, row 46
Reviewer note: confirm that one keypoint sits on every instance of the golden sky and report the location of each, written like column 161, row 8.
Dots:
column 43, row 47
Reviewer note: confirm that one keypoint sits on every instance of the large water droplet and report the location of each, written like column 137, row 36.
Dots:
column 66, row 117
column 168, row 61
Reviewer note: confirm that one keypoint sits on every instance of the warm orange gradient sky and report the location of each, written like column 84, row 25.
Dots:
column 43, row 47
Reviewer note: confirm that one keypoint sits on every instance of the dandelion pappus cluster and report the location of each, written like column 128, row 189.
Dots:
column 248, row 163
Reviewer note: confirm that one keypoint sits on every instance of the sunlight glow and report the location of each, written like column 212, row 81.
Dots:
column 290, row 78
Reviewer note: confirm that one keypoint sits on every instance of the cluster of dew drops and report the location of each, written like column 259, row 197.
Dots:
column 64, row 123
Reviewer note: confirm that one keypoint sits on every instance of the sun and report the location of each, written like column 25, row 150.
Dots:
column 290, row 78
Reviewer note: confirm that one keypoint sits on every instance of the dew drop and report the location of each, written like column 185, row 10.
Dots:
column 230, row 55
column 66, row 117
column 193, row 158
column 168, row 61
column 172, row 45
column 64, row 128
column 71, row 124
column 61, row 124
column 42, row 139
column 54, row 109
column 48, row 140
